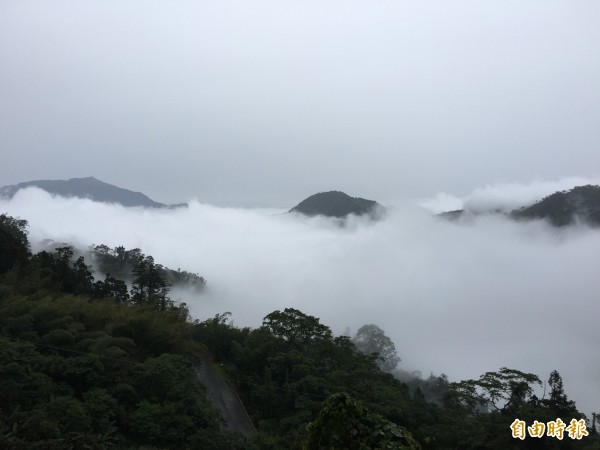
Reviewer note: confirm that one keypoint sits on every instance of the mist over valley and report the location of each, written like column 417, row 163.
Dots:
column 299, row 225
column 459, row 298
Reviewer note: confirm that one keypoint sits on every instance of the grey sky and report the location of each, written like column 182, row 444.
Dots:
column 266, row 102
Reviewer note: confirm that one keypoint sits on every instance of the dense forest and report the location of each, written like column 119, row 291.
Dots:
column 110, row 363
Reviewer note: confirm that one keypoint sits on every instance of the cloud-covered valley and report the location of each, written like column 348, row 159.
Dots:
column 459, row 298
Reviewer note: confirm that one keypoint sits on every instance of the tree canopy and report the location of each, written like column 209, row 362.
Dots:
column 14, row 244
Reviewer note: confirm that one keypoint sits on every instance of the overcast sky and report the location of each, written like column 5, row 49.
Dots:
column 262, row 103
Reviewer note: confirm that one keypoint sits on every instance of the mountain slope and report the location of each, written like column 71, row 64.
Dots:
column 562, row 208
column 565, row 207
column 337, row 204
column 90, row 188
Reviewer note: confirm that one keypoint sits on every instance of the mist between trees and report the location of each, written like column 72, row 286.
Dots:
column 86, row 364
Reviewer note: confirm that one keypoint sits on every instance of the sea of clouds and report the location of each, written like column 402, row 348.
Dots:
column 458, row 298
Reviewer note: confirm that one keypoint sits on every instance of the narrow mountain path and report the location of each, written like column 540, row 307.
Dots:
column 224, row 397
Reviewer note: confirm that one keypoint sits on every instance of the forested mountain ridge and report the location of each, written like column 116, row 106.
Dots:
column 91, row 364
column 337, row 204
column 89, row 188
column 565, row 207
column 562, row 208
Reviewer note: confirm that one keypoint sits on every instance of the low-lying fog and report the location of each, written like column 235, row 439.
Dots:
column 455, row 298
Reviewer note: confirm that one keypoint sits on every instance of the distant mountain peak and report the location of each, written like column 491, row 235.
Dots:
column 87, row 187
column 337, row 204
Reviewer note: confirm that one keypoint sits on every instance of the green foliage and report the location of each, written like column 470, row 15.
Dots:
column 76, row 372
column 61, row 273
column 482, row 410
column 111, row 288
column 84, row 366
column 343, row 423
column 295, row 327
column 148, row 286
column 286, row 367
column 558, row 401
column 98, row 374
column 120, row 263
column 505, row 390
column 14, row 245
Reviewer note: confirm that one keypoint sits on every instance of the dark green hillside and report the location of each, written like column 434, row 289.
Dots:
column 86, row 364
column 337, row 204
column 565, row 207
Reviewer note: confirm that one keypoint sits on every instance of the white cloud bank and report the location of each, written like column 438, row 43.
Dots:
column 460, row 299
column 504, row 196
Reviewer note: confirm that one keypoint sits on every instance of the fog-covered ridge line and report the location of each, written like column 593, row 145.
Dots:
column 90, row 188
column 581, row 204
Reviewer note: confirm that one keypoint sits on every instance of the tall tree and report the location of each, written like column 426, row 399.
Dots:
column 149, row 286
column 14, row 245
column 371, row 339
column 558, row 400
